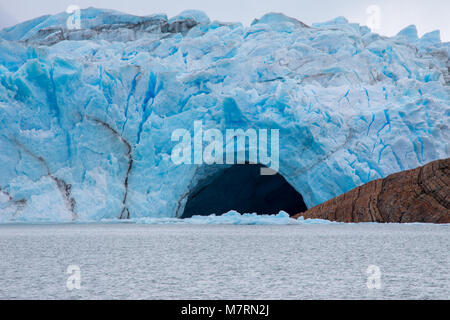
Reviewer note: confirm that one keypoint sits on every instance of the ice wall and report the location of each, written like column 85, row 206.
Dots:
column 86, row 115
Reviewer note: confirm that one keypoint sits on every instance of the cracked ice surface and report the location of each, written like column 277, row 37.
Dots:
column 86, row 115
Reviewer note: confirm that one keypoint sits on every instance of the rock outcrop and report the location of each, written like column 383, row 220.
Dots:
column 417, row 195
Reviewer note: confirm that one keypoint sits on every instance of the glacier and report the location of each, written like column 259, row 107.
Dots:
column 86, row 115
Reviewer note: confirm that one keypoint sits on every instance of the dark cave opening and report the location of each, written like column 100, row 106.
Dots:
column 241, row 187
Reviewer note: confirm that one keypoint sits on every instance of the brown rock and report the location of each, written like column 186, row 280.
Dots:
column 417, row 195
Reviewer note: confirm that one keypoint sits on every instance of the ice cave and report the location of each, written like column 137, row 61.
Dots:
column 241, row 187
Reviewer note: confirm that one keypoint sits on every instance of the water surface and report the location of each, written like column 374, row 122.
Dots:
column 133, row 261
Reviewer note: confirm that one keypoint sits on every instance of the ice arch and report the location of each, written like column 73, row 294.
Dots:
column 241, row 187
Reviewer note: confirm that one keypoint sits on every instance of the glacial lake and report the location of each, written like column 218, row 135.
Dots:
column 182, row 261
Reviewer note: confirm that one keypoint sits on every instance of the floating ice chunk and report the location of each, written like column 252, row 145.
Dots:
column 234, row 218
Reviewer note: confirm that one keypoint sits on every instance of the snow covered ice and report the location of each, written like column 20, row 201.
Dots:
column 86, row 115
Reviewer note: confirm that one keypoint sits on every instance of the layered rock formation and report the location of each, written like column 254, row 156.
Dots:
column 417, row 195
